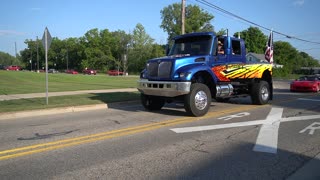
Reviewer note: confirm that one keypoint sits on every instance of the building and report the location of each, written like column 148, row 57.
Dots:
column 310, row 70
column 259, row 58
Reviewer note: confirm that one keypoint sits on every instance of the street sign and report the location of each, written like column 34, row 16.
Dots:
column 46, row 39
column 46, row 42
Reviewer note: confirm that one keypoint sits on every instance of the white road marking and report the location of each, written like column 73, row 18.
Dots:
column 226, row 118
column 312, row 127
column 267, row 140
column 305, row 99
column 213, row 127
column 270, row 127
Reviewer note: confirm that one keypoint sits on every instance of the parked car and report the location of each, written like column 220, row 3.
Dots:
column 114, row 73
column 52, row 71
column 71, row 71
column 13, row 68
column 306, row 83
column 89, row 71
column 2, row 67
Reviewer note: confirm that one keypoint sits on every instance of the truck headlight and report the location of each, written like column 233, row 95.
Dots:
column 143, row 75
column 184, row 74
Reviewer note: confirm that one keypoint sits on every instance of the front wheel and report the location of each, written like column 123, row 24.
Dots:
column 152, row 103
column 260, row 93
column 197, row 102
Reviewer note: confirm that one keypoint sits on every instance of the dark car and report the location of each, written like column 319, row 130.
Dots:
column 306, row 83
column 89, row 71
column 114, row 73
column 52, row 71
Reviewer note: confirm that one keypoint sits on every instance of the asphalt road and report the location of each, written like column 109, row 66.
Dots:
column 235, row 140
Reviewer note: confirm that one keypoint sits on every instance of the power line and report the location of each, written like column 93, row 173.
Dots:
column 204, row 2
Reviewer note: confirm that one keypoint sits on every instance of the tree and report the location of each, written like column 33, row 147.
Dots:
column 221, row 32
column 6, row 59
column 254, row 38
column 120, row 48
column 140, row 50
column 196, row 19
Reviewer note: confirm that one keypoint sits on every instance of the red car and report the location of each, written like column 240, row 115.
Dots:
column 305, row 84
column 89, row 71
column 13, row 68
column 114, row 73
column 71, row 71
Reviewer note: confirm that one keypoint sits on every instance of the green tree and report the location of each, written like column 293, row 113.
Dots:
column 254, row 38
column 6, row 59
column 196, row 19
column 140, row 50
column 97, row 49
column 120, row 49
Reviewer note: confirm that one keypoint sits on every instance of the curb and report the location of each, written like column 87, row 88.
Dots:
column 52, row 111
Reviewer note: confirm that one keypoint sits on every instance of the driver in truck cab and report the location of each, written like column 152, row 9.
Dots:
column 220, row 48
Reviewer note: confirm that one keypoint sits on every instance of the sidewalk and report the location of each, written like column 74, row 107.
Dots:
column 31, row 113
column 51, row 94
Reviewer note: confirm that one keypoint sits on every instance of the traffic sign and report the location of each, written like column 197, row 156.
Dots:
column 46, row 39
column 46, row 42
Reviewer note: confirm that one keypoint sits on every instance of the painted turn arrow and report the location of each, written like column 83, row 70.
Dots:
column 267, row 140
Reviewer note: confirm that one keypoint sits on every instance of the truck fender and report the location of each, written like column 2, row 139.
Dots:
column 193, row 69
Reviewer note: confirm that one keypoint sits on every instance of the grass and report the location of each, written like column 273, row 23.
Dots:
column 64, row 101
column 22, row 82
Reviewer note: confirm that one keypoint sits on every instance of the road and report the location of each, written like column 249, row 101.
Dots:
column 235, row 140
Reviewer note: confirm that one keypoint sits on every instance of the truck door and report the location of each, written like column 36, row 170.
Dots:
column 219, row 51
column 236, row 55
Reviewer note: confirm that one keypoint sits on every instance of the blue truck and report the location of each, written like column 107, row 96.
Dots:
column 195, row 71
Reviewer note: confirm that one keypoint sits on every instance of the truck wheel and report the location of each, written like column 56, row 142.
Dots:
column 197, row 102
column 260, row 93
column 152, row 103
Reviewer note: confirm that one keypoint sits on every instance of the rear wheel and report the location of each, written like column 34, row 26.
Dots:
column 197, row 102
column 260, row 93
column 152, row 103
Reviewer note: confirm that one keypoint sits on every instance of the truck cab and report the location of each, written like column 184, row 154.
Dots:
column 196, row 70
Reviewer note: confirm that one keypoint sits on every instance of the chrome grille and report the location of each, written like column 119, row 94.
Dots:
column 159, row 69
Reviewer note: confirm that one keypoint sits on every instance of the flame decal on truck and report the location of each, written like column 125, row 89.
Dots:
column 242, row 71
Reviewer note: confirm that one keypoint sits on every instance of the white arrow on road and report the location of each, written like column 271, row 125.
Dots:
column 268, row 136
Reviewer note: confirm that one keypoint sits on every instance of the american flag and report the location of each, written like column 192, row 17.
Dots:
column 269, row 49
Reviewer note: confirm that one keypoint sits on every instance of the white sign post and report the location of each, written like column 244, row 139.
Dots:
column 46, row 42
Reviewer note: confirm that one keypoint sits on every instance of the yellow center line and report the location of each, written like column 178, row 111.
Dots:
column 28, row 150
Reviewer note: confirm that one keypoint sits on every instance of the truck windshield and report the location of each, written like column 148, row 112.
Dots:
column 192, row 46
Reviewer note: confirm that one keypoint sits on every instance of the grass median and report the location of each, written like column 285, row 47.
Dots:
column 24, row 82
column 65, row 101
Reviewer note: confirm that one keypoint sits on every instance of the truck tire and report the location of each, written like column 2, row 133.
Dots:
column 152, row 103
column 197, row 102
column 260, row 93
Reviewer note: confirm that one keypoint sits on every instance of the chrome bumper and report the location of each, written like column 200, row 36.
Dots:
column 163, row 88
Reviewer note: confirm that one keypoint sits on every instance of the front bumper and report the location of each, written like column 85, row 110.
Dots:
column 163, row 88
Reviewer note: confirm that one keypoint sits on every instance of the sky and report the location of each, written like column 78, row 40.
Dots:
column 21, row 20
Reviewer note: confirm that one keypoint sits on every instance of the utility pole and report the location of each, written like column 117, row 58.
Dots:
column 183, row 14
column 67, row 59
column 31, row 61
column 15, row 47
column 37, row 55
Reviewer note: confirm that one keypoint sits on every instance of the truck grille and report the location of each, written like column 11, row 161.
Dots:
column 159, row 69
